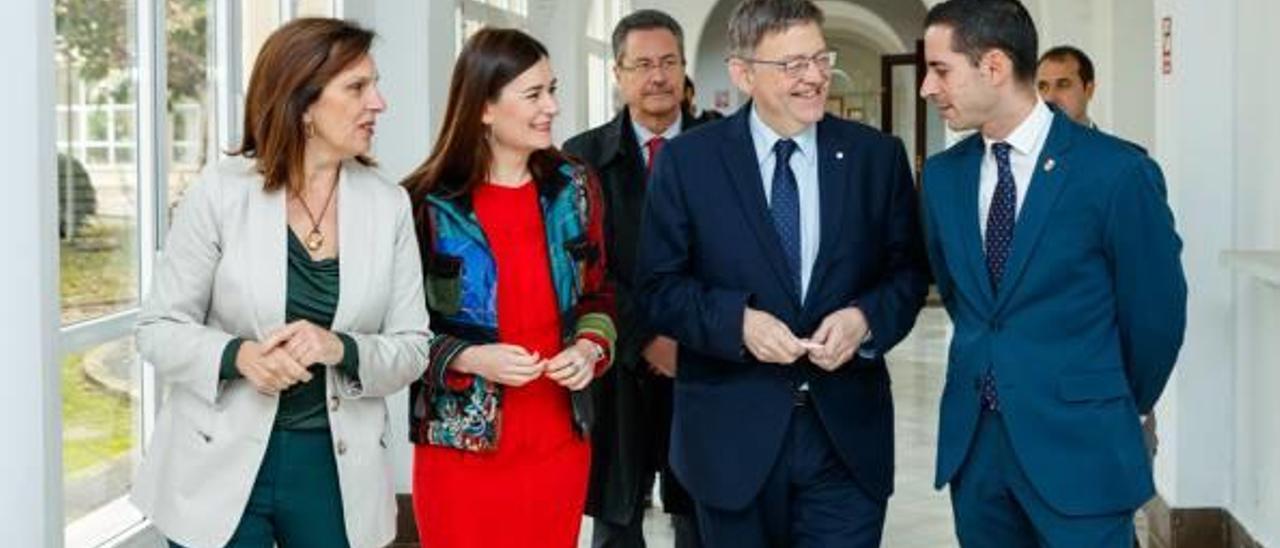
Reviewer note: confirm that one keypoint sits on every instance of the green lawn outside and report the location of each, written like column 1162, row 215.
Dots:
column 97, row 426
column 98, row 277
column 98, row 271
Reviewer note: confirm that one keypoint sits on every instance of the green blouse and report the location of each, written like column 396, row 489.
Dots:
column 312, row 295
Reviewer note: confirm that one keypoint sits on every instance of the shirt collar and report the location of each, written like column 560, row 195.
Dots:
column 1024, row 138
column 643, row 134
column 764, row 138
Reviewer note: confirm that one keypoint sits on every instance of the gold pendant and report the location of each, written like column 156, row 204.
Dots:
column 315, row 240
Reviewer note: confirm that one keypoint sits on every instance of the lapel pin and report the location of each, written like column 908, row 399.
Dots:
column 839, row 155
column 1049, row 165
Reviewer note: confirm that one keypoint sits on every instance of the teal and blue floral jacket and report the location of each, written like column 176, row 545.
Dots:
column 463, row 412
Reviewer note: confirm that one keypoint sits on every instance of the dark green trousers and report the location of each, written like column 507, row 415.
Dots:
column 295, row 499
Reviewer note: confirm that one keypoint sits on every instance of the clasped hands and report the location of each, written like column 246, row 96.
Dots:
column 283, row 359
column 831, row 345
column 513, row 365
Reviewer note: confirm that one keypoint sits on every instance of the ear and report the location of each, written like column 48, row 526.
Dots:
column 995, row 66
column 487, row 116
column 742, row 75
column 1088, row 90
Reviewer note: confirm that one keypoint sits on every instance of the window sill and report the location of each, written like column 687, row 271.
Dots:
column 116, row 525
column 1263, row 265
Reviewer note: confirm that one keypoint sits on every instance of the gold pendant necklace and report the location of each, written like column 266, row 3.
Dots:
column 315, row 238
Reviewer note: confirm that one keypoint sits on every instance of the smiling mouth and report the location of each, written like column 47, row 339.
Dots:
column 806, row 94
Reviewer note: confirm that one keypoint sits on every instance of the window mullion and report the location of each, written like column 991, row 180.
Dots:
column 152, row 155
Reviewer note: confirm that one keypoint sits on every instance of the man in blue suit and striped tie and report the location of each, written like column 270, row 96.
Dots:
column 1055, row 254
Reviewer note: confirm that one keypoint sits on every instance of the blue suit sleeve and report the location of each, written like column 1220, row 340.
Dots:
column 892, row 304
column 1151, row 290
column 702, row 317
column 933, row 244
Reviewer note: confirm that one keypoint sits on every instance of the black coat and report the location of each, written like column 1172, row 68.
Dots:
column 633, row 406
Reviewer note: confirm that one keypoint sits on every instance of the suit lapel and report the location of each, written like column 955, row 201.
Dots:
column 356, row 242
column 268, row 255
column 1047, row 182
column 966, row 221
column 833, row 185
column 739, row 156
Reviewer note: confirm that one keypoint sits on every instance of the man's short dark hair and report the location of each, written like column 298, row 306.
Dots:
column 645, row 20
column 1063, row 53
column 752, row 20
column 979, row 26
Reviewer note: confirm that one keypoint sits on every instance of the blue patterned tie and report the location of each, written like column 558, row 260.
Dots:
column 784, row 205
column 999, row 241
column 1001, row 216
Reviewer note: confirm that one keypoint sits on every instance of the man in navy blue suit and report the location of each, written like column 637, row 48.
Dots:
column 1055, row 254
column 781, row 247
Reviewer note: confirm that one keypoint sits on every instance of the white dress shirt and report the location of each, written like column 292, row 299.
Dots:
column 1026, row 142
column 804, row 164
column 643, row 135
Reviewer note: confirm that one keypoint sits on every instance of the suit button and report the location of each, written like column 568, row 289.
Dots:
column 333, row 403
column 342, row 447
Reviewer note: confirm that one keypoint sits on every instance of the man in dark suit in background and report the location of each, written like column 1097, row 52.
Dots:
column 1064, row 78
column 1055, row 254
column 781, row 248
column 633, row 400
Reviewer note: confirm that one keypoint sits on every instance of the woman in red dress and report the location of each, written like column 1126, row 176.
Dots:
column 511, row 240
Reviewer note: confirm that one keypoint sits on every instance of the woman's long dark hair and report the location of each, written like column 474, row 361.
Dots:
column 460, row 159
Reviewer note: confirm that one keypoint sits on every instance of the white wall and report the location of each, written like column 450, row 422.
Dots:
column 562, row 27
column 1195, row 138
column 1256, row 501
column 30, row 476
column 414, row 52
column 709, row 70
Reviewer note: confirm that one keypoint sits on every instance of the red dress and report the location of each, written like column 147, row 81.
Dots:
column 530, row 492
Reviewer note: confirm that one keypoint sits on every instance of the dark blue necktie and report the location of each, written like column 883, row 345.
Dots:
column 1000, row 221
column 1001, row 216
column 784, row 205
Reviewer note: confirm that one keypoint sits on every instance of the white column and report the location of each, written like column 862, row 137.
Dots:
column 561, row 26
column 1257, row 468
column 1195, row 137
column 414, row 52
column 31, row 462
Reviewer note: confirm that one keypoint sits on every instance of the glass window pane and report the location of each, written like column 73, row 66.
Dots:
column 313, row 8
column 100, row 440
column 258, row 18
column 191, row 132
column 97, row 176
column 598, row 90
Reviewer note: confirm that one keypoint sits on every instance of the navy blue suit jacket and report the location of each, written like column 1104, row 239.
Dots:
column 1085, row 327
column 709, row 249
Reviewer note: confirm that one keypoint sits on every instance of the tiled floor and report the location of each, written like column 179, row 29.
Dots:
column 919, row 517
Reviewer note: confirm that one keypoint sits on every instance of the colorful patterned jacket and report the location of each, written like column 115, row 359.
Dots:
column 463, row 411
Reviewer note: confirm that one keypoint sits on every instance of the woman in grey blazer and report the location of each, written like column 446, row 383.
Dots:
column 287, row 304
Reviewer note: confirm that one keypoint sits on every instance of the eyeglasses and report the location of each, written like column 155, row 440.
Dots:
column 646, row 66
column 795, row 67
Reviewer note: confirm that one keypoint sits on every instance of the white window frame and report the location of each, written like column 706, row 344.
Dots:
column 600, row 46
column 490, row 13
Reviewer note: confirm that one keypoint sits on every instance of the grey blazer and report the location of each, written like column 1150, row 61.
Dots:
column 223, row 275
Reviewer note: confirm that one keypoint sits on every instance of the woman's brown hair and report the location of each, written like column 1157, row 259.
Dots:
column 292, row 68
column 460, row 159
